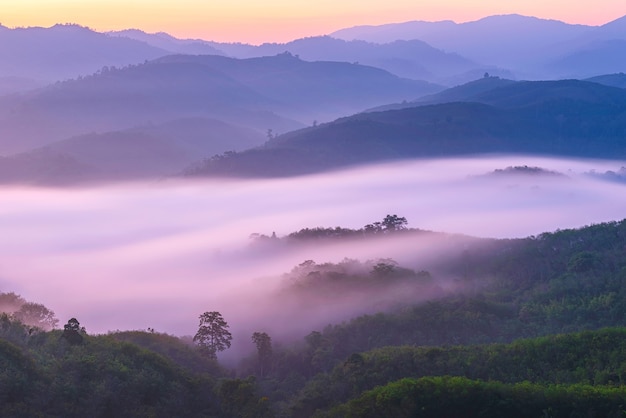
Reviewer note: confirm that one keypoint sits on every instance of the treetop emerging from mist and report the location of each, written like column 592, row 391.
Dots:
column 389, row 224
column 213, row 334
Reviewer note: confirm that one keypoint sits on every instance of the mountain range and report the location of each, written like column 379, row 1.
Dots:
column 127, row 109
column 252, row 92
column 509, row 46
column 47, row 55
column 79, row 104
column 530, row 47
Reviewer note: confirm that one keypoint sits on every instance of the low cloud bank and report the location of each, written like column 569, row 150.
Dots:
column 158, row 255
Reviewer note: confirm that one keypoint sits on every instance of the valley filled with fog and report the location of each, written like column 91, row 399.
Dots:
column 401, row 219
column 139, row 255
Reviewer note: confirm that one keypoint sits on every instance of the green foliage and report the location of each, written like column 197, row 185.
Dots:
column 20, row 381
column 317, row 233
column 443, row 397
column 13, row 331
column 180, row 352
column 592, row 358
column 102, row 377
column 72, row 332
column 239, row 399
column 352, row 277
column 263, row 344
column 582, row 262
column 565, row 281
column 213, row 334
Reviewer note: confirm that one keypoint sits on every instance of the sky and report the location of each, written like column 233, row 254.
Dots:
column 254, row 21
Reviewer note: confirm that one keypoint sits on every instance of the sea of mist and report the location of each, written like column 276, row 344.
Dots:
column 133, row 256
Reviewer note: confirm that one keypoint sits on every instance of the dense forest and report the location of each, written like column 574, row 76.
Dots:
column 535, row 327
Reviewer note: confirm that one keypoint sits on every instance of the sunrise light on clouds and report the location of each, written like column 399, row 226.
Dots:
column 279, row 20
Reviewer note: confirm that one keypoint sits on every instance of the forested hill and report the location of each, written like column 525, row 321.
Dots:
column 564, row 281
column 561, row 373
column 614, row 80
column 508, row 93
column 462, row 93
column 560, row 118
column 129, row 374
column 503, row 325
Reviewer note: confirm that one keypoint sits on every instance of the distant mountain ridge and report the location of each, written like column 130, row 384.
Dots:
column 130, row 80
column 323, row 89
column 613, row 80
column 98, row 127
column 169, row 43
column 145, row 152
column 497, row 91
column 509, row 46
column 259, row 93
column 462, row 93
column 62, row 52
column 566, row 118
column 410, row 59
column 531, row 47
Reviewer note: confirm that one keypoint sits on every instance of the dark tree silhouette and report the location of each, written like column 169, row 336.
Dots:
column 393, row 223
column 373, row 228
column 72, row 332
column 213, row 334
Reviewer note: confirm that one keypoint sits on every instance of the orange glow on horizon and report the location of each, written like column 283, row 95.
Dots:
column 256, row 22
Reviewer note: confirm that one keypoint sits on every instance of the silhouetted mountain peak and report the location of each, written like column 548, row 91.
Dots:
column 515, row 18
column 67, row 51
column 467, row 91
column 168, row 42
column 620, row 23
column 530, row 93
column 613, row 80
column 615, row 28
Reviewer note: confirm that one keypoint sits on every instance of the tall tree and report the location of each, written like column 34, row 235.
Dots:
column 213, row 334
column 263, row 344
column 72, row 332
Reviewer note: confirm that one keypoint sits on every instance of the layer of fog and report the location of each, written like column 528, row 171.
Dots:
column 157, row 255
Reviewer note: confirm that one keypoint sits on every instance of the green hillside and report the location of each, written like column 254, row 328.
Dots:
column 524, row 330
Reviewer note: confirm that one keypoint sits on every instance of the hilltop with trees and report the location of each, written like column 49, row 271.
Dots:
column 534, row 335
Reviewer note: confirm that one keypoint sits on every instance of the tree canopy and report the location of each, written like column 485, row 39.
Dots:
column 213, row 334
column 263, row 344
